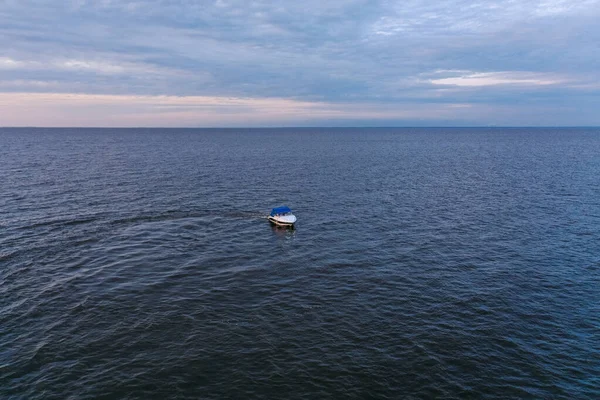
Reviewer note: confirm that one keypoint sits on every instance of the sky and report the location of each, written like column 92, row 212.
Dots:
column 230, row 63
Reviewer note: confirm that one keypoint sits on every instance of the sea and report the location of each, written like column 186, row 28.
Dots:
column 426, row 263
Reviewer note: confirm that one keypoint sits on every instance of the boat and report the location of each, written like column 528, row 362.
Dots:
column 282, row 216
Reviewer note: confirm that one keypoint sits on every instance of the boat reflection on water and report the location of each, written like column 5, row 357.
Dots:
column 283, row 232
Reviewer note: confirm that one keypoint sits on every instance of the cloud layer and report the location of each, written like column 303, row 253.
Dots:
column 265, row 63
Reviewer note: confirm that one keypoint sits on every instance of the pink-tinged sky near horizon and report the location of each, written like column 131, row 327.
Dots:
column 175, row 63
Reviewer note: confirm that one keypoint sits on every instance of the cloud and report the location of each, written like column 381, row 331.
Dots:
column 424, row 18
column 30, row 84
column 479, row 79
column 102, row 66
column 9, row 63
column 71, row 109
column 378, row 55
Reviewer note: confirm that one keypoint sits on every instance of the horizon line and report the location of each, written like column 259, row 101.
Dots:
column 303, row 127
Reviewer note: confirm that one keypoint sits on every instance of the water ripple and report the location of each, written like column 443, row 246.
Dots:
column 425, row 263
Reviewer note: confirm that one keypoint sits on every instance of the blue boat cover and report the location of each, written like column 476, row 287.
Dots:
column 280, row 210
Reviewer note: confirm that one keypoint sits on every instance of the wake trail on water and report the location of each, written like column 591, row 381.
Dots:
column 64, row 221
column 176, row 215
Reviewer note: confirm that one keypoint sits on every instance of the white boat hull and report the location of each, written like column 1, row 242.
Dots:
column 283, row 220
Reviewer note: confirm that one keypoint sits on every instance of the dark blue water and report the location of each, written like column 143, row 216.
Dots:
column 426, row 263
